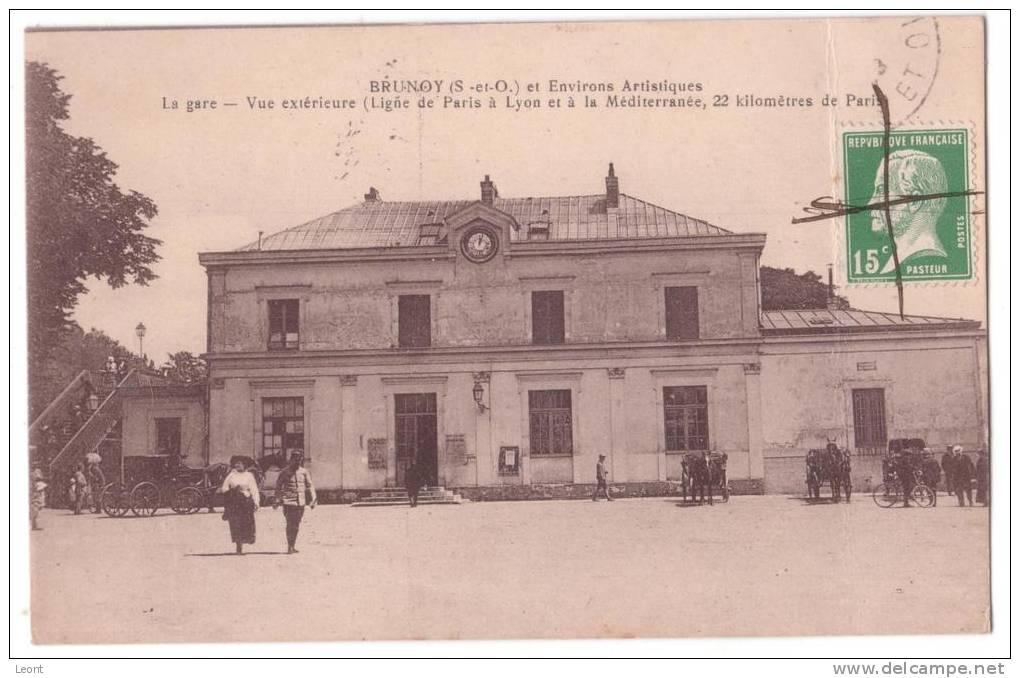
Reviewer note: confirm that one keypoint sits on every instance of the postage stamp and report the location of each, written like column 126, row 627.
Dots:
column 932, row 235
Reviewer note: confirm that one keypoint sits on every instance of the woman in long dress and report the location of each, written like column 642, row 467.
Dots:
column 240, row 501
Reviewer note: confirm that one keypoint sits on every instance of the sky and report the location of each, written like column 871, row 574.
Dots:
column 221, row 176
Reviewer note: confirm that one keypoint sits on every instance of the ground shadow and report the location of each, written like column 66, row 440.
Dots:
column 812, row 501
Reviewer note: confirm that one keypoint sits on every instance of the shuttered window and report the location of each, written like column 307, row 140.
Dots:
column 547, row 326
column 870, row 435
column 682, row 313
column 414, row 324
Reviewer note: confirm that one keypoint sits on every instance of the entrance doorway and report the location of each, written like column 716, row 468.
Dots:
column 417, row 435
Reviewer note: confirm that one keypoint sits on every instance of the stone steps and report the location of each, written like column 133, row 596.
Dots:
column 393, row 496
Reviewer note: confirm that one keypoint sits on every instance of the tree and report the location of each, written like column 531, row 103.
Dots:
column 75, row 351
column 80, row 224
column 184, row 368
column 785, row 289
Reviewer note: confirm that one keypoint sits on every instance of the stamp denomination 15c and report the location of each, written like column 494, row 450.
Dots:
column 932, row 234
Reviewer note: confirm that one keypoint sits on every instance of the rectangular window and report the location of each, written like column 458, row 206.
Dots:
column 168, row 436
column 414, row 322
column 869, row 420
column 283, row 324
column 551, row 422
column 283, row 428
column 547, row 325
column 682, row 313
column 686, row 417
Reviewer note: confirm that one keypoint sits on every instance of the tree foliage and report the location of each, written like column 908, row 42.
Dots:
column 183, row 367
column 785, row 289
column 80, row 224
column 75, row 350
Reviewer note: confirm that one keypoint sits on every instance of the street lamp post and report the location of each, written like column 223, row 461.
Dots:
column 140, row 331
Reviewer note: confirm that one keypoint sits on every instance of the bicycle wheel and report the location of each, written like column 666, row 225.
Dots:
column 923, row 496
column 188, row 500
column 887, row 495
column 115, row 500
column 145, row 499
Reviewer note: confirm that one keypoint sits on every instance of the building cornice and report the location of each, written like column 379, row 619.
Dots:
column 521, row 248
column 473, row 354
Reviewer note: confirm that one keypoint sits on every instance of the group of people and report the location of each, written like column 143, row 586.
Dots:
column 242, row 498
column 959, row 471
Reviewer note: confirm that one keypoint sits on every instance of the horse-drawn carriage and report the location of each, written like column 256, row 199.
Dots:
column 702, row 476
column 829, row 466
column 149, row 483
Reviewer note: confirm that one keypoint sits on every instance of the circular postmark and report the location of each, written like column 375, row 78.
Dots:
column 907, row 68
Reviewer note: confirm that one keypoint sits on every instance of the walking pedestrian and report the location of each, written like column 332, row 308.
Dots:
column 982, row 469
column 963, row 472
column 601, row 486
column 931, row 473
column 412, row 481
column 294, row 490
column 240, row 501
column 37, row 496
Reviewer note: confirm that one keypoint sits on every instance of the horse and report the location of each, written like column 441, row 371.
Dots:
column 840, row 469
column 831, row 466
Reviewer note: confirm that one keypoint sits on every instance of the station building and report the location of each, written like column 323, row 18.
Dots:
column 504, row 343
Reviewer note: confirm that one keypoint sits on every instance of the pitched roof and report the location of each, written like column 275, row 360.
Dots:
column 825, row 321
column 380, row 223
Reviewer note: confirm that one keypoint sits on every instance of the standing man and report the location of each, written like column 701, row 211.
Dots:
column 904, row 474
column 963, row 469
column 600, row 479
column 947, row 469
column 412, row 481
column 79, row 489
column 37, row 496
column 982, row 478
column 294, row 490
column 931, row 473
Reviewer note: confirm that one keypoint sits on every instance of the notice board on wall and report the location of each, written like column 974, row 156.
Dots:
column 377, row 453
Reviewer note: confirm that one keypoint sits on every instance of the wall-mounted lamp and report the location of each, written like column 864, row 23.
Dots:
column 478, row 391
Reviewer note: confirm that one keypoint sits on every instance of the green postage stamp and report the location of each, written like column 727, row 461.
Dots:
column 933, row 234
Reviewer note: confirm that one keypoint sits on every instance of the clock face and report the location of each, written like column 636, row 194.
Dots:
column 479, row 245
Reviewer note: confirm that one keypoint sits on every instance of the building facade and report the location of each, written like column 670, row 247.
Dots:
column 504, row 344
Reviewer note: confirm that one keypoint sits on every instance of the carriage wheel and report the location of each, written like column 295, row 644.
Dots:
column 115, row 500
column 923, row 496
column 188, row 500
column 145, row 499
column 887, row 495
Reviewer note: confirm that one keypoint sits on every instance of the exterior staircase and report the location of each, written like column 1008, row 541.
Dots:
column 397, row 496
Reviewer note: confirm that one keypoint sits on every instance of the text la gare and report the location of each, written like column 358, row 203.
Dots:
column 190, row 105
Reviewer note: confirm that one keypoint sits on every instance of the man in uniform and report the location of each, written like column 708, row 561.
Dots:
column 963, row 470
column 294, row 491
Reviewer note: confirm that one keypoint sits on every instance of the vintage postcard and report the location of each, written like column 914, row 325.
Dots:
column 496, row 331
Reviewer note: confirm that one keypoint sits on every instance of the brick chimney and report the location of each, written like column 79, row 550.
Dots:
column 372, row 195
column 489, row 191
column 612, row 188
